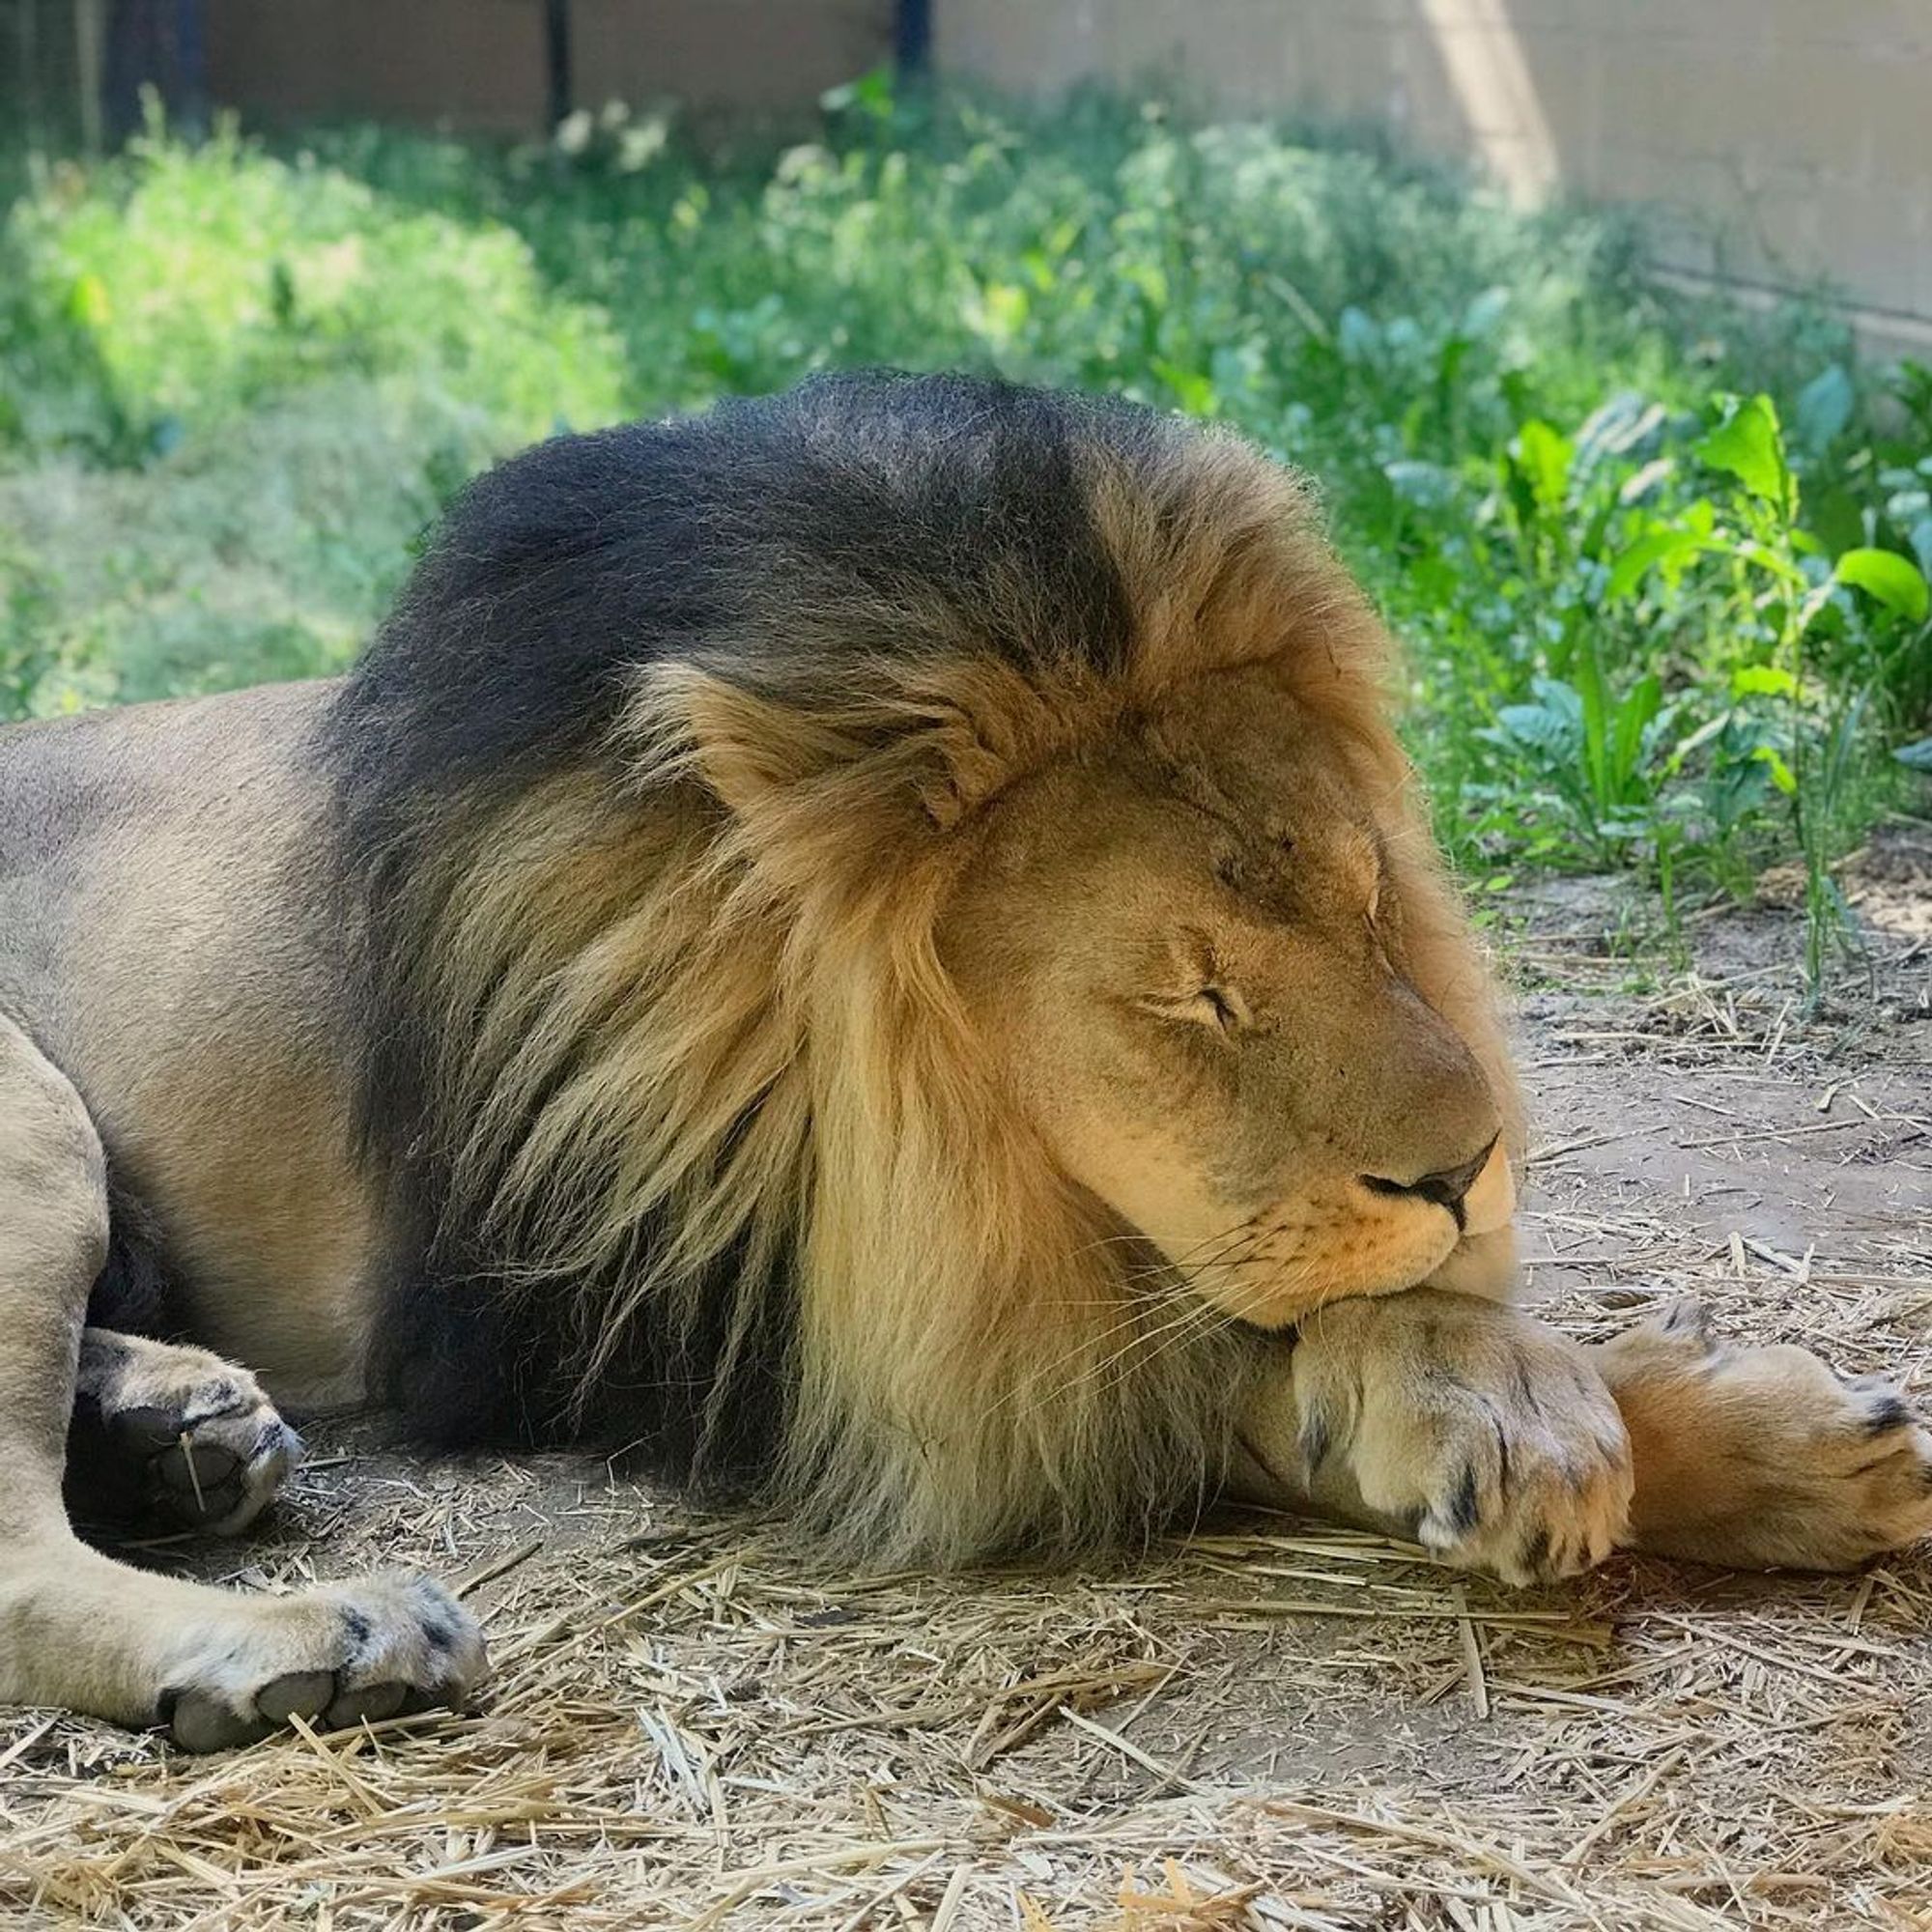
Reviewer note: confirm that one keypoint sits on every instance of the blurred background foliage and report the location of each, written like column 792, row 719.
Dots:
column 1660, row 564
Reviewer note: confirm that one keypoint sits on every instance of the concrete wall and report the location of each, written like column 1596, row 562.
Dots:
column 479, row 64
column 1777, row 141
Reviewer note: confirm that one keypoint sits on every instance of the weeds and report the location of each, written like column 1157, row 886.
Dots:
column 1661, row 567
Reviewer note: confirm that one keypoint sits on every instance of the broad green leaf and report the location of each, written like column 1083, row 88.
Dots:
column 1594, row 697
column 1894, row 581
column 1634, row 559
column 1545, row 456
column 1536, row 726
column 1748, row 445
column 1763, row 681
column 1559, row 696
column 1773, row 761
column 1834, row 518
column 1672, row 546
column 1919, row 756
column 1640, row 704
column 1823, row 407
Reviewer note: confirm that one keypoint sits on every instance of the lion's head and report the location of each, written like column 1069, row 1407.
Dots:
column 902, row 952
column 1188, row 953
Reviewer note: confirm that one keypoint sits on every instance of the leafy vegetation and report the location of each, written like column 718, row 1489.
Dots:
column 1661, row 567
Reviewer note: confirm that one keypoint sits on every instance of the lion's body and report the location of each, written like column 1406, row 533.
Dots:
column 164, row 934
column 319, row 959
column 876, row 947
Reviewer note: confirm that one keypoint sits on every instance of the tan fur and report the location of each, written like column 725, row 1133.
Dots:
column 190, row 995
column 1761, row 1456
column 758, row 933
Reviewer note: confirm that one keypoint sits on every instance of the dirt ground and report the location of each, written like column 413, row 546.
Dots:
column 1271, row 1726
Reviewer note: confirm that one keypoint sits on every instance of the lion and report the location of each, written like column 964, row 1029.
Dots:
column 874, row 946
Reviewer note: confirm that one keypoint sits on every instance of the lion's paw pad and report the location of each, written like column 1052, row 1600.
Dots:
column 333, row 1658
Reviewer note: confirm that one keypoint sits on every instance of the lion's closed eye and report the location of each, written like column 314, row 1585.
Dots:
column 1215, row 1005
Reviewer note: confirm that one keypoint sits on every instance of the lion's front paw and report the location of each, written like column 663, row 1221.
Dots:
column 1476, row 1428
column 1762, row 1457
column 333, row 1657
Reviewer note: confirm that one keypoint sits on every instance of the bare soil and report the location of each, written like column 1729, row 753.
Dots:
column 1272, row 1725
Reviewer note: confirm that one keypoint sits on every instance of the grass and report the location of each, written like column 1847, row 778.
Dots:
column 1660, row 565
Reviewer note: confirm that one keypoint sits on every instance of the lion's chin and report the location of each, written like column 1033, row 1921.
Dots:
column 1480, row 1264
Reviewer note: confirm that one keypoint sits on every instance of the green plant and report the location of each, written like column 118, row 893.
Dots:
column 24, row 654
column 237, row 381
column 1794, row 621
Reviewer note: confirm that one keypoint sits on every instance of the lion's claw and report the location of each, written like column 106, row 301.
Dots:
column 1478, row 1429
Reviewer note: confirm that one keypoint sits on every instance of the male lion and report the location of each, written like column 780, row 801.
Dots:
column 876, row 944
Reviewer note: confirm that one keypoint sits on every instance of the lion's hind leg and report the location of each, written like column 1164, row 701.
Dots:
column 1761, row 1458
column 174, row 1435
column 82, row 1631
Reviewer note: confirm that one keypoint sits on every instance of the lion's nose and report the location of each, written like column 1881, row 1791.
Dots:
column 1445, row 1187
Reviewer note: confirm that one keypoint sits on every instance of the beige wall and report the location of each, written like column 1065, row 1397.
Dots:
column 1777, row 141
column 479, row 64
column 767, row 54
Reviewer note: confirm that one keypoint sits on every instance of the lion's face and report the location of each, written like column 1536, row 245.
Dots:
column 1187, row 953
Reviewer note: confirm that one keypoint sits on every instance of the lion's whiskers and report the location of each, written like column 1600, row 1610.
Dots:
column 1198, row 1317
column 1174, row 1290
column 1201, row 1318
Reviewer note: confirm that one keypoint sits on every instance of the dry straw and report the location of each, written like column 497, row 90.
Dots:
column 1268, row 1725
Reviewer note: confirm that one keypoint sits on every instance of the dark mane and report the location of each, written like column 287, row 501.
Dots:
column 907, row 510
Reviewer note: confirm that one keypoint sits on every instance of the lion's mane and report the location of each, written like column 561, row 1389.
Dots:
column 650, row 794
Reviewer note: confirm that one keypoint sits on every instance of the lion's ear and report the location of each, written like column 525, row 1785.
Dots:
column 902, row 753
column 747, row 748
